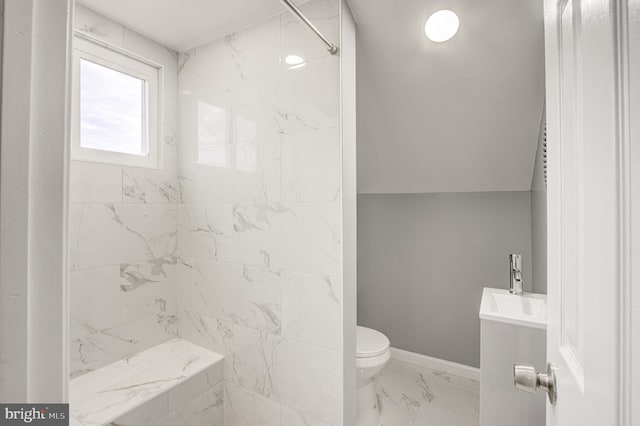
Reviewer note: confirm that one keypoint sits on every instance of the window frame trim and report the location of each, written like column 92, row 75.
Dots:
column 98, row 51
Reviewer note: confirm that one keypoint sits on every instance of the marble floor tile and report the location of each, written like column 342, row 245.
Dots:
column 412, row 395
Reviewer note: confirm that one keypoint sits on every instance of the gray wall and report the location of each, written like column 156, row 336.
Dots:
column 423, row 260
column 539, row 218
column 448, row 117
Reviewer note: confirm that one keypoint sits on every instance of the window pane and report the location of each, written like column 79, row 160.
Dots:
column 111, row 110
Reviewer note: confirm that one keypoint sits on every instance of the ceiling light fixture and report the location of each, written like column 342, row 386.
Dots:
column 442, row 25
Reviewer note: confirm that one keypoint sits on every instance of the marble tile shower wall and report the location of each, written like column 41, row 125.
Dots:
column 259, row 224
column 123, row 233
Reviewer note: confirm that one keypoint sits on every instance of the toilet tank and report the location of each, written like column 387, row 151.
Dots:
column 513, row 330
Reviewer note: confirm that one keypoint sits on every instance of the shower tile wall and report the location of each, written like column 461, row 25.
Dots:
column 123, row 233
column 259, row 223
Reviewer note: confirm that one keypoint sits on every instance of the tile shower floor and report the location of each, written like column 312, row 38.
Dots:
column 411, row 395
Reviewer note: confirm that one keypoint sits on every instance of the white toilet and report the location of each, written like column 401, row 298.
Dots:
column 372, row 352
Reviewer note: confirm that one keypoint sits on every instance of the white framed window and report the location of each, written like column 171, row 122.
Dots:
column 116, row 106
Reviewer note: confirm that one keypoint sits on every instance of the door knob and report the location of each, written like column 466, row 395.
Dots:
column 525, row 378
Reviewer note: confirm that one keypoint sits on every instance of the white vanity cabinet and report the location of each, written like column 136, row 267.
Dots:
column 513, row 331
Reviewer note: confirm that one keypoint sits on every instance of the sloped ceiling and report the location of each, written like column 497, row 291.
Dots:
column 184, row 24
column 463, row 115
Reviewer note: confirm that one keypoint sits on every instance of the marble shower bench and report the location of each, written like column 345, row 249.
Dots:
column 175, row 383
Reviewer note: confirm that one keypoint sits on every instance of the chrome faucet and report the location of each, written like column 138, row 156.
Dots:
column 515, row 274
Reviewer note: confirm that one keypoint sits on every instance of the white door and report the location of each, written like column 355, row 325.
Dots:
column 592, row 76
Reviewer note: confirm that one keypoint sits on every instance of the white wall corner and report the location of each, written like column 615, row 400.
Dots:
column 33, row 191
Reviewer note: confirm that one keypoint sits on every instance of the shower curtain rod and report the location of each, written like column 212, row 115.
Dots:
column 332, row 48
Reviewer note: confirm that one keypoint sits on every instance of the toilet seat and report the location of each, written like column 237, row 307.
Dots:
column 371, row 343
column 373, row 361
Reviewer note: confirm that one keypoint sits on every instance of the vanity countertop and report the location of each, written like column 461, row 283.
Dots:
column 528, row 310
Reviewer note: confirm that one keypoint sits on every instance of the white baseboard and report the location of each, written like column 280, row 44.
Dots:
column 453, row 368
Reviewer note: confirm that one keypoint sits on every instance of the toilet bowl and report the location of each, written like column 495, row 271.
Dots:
column 372, row 354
